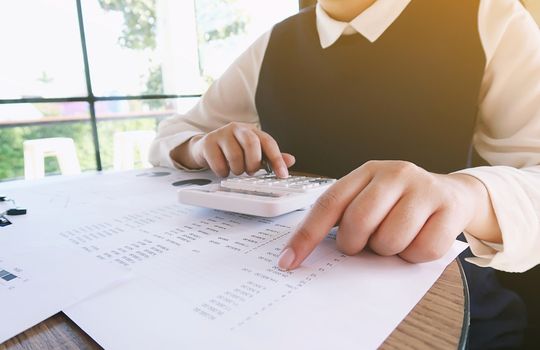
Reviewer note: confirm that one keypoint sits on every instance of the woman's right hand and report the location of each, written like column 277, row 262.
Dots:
column 236, row 148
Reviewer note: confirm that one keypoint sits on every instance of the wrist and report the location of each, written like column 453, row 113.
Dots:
column 184, row 153
column 482, row 223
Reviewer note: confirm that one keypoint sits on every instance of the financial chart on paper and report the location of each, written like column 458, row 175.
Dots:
column 223, row 264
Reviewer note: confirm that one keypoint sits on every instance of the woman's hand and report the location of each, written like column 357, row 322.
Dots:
column 395, row 208
column 236, row 148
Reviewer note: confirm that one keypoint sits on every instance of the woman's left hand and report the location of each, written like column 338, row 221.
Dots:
column 394, row 208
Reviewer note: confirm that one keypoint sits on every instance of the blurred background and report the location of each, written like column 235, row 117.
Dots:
column 84, row 84
column 103, row 73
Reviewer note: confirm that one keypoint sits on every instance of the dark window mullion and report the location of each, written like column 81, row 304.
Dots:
column 43, row 100
column 91, row 98
column 144, row 97
column 95, row 98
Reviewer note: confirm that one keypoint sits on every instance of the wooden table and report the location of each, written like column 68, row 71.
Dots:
column 439, row 321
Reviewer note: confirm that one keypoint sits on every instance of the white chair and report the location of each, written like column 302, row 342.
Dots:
column 35, row 151
column 125, row 145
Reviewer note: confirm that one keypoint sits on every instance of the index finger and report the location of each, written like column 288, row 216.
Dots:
column 272, row 153
column 324, row 214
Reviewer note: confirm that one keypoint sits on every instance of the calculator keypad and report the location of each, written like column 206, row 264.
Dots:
column 271, row 183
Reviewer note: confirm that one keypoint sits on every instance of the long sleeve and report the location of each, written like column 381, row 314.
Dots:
column 230, row 98
column 508, row 135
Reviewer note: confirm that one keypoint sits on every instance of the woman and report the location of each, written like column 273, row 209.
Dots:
column 408, row 83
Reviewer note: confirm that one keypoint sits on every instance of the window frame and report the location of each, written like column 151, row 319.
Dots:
column 91, row 99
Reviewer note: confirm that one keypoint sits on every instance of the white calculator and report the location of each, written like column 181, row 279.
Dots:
column 261, row 195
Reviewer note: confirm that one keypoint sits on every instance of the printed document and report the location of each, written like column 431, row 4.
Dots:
column 203, row 278
column 36, row 284
column 207, row 278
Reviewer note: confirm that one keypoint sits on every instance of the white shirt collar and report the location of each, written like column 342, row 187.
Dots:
column 371, row 23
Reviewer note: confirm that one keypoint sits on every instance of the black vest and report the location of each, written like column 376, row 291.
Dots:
column 411, row 95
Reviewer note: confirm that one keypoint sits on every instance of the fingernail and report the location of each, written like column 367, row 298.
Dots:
column 283, row 172
column 286, row 258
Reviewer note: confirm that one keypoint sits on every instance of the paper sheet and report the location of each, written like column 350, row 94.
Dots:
column 37, row 284
column 41, row 272
column 205, row 278
column 206, row 295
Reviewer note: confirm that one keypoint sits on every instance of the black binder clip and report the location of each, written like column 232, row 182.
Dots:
column 4, row 221
column 16, row 211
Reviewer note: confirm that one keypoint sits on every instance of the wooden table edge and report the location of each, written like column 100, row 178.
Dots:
column 464, row 339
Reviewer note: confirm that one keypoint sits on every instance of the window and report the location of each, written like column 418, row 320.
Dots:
column 41, row 50
column 97, row 71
